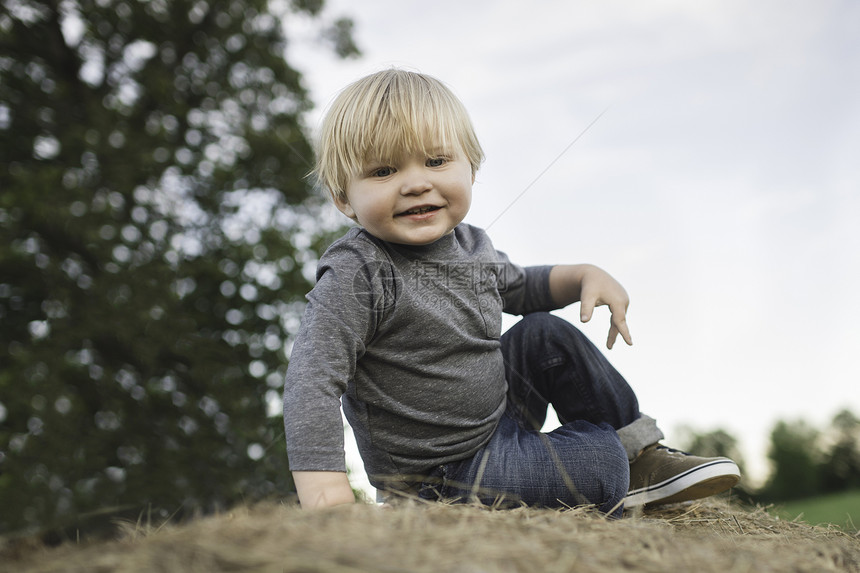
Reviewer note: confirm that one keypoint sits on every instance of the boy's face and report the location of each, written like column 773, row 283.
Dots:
column 414, row 200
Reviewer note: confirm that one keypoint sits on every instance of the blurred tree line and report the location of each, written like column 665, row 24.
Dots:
column 156, row 233
column 805, row 461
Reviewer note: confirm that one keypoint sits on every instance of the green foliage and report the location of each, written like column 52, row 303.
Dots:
column 795, row 457
column 808, row 462
column 156, row 231
column 841, row 466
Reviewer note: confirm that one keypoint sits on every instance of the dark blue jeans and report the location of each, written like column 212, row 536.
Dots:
column 549, row 361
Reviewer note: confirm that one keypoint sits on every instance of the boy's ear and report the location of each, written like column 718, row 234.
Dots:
column 344, row 207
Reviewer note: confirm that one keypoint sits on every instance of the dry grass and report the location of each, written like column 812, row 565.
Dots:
column 703, row 537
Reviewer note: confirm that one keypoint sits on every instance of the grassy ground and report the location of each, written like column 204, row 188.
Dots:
column 712, row 536
column 842, row 509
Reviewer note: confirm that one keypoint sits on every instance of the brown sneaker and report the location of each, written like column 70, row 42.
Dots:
column 662, row 475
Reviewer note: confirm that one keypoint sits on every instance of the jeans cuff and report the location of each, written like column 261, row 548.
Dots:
column 639, row 434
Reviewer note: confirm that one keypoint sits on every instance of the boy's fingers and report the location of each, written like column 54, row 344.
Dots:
column 613, row 334
column 619, row 326
column 586, row 309
column 614, row 331
column 625, row 333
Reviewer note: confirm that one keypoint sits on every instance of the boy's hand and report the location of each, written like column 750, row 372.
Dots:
column 592, row 286
column 323, row 489
column 599, row 288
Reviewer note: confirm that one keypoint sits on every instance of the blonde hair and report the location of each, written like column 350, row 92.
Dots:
column 384, row 116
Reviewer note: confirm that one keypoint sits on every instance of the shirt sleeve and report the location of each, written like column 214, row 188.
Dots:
column 341, row 315
column 524, row 289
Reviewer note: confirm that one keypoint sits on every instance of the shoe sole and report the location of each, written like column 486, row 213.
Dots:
column 701, row 481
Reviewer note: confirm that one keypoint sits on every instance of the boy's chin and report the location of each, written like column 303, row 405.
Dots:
column 415, row 238
column 419, row 241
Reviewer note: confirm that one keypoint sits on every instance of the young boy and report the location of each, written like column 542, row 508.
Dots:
column 403, row 328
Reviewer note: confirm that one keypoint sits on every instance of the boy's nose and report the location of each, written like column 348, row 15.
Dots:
column 415, row 182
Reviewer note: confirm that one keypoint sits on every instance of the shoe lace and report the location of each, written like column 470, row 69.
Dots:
column 672, row 450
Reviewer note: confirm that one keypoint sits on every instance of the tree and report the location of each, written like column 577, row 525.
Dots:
column 795, row 457
column 840, row 469
column 156, row 231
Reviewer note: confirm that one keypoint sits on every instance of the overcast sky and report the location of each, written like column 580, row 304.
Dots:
column 720, row 185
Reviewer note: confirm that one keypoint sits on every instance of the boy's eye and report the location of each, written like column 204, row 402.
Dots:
column 382, row 172
column 436, row 162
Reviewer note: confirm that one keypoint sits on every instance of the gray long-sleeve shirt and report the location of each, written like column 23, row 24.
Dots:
column 408, row 337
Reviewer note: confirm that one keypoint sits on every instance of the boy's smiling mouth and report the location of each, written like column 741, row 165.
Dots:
column 420, row 210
